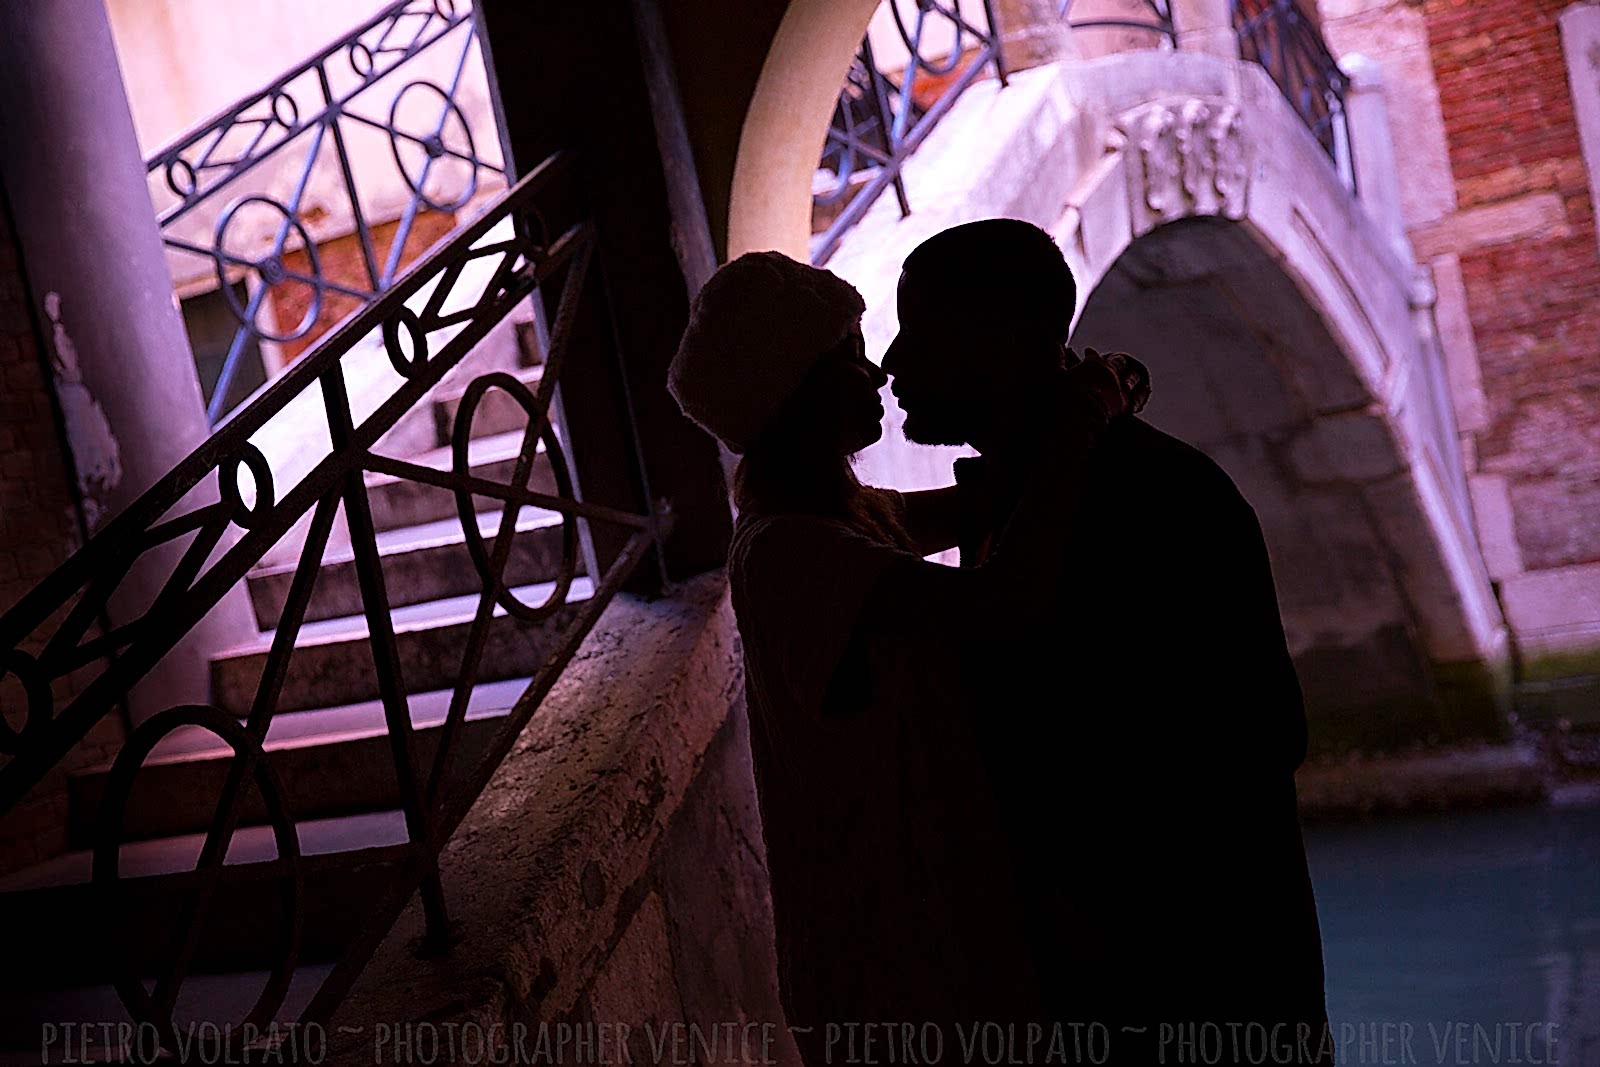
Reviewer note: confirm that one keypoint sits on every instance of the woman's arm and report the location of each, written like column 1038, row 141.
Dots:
column 1015, row 585
column 933, row 518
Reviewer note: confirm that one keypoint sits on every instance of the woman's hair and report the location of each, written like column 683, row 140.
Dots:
column 783, row 477
column 795, row 468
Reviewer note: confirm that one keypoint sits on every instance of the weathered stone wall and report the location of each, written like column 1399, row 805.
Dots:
column 39, row 529
column 1524, row 231
column 702, row 932
column 613, row 871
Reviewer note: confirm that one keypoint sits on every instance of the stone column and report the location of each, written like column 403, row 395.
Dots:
column 1372, row 151
column 1032, row 33
column 102, row 294
column 1206, row 26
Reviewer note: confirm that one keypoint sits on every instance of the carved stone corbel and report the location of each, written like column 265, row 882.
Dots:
column 1188, row 158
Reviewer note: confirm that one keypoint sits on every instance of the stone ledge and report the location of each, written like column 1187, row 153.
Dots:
column 1556, row 599
column 1477, row 776
column 1532, row 216
column 540, row 878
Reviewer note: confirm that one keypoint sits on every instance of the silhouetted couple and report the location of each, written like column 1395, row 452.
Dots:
column 1054, row 785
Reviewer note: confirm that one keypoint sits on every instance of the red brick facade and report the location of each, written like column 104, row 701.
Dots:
column 1534, row 301
column 38, row 531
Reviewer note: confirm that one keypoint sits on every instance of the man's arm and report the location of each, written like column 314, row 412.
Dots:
column 1251, row 638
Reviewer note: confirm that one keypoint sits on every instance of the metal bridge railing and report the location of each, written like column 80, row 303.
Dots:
column 882, row 117
column 879, row 122
column 534, row 240
column 1159, row 20
column 302, row 125
column 1285, row 41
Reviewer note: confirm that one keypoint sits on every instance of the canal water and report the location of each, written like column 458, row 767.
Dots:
column 1473, row 935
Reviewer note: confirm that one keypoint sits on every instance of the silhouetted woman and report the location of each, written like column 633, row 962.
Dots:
column 891, row 884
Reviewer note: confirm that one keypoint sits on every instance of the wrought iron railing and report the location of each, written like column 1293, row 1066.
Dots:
column 1159, row 21
column 533, row 242
column 1284, row 40
column 312, row 110
column 882, row 118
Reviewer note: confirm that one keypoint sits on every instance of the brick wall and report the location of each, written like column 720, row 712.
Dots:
column 38, row 531
column 340, row 261
column 1524, row 231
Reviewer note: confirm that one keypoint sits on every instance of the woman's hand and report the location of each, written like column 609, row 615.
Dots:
column 1134, row 378
column 1120, row 383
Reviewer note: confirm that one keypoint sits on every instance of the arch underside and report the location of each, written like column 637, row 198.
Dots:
column 1229, row 339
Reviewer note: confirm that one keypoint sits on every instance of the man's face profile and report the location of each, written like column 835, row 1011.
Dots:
column 929, row 362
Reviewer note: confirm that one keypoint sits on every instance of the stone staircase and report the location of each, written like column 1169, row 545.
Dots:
column 328, row 740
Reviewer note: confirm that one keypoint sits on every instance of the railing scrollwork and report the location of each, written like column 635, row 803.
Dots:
column 313, row 110
column 883, row 115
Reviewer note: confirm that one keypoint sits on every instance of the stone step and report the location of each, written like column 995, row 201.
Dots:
column 509, row 347
column 420, row 563
column 329, row 762
column 497, row 412
column 332, row 660
column 76, row 936
column 400, row 502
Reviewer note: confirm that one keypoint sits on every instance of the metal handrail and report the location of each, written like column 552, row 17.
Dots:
column 208, row 162
column 528, row 242
column 878, row 122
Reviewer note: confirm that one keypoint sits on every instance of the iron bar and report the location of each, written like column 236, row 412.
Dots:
column 492, row 570
column 226, row 818
column 386, row 661
column 459, row 801
column 499, row 491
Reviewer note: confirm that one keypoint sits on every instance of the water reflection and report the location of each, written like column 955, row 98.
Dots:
column 1486, row 919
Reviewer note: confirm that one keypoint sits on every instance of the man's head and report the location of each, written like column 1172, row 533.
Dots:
column 985, row 309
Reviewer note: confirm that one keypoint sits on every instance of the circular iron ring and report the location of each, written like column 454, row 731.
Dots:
column 270, row 270
column 538, row 425
column 129, row 984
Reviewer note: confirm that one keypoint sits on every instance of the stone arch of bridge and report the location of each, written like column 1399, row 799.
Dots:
column 1291, row 337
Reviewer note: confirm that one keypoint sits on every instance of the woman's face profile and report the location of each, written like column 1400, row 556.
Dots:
column 839, row 399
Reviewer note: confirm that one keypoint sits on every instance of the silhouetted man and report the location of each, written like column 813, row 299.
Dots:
column 1150, row 795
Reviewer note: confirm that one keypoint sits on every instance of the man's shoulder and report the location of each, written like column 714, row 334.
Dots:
column 1164, row 461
